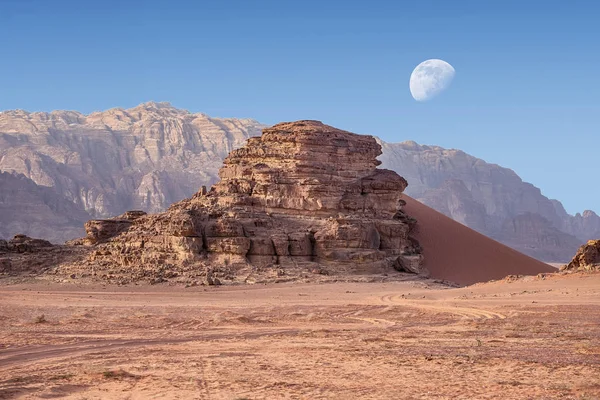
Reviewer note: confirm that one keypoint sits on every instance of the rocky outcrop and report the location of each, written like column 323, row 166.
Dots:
column 100, row 230
column 24, row 244
column 12, row 251
column 26, row 207
column 303, row 195
column 587, row 258
column 24, row 255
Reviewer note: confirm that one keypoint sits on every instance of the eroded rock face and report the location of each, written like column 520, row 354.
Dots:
column 302, row 194
column 100, row 230
column 587, row 258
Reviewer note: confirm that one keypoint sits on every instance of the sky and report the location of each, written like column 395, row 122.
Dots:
column 525, row 95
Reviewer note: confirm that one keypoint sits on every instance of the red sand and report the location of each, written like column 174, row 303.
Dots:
column 459, row 254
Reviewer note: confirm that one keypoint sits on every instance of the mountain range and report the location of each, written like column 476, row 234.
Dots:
column 63, row 167
column 490, row 199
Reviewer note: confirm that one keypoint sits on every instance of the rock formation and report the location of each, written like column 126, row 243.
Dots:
column 303, row 195
column 24, row 244
column 25, row 254
column 100, row 230
column 587, row 258
column 153, row 155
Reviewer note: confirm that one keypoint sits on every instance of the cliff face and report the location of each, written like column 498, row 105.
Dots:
column 107, row 162
column 434, row 172
column 537, row 237
column 490, row 199
column 302, row 196
column 585, row 225
column 27, row 207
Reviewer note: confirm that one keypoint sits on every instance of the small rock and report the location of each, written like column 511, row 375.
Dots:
column 587, row 258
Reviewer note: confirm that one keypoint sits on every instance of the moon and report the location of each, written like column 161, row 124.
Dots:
column 430, row 78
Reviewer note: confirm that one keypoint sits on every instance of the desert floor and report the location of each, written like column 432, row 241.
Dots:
column 532, row 338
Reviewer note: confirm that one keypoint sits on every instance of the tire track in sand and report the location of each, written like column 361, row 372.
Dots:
column 21, row 355
column 376, row 321
column 356, row 315
column 465, row 312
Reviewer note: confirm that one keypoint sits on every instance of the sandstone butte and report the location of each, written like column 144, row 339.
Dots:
column 303, row 197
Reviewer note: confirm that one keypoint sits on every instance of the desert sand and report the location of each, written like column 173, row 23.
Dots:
column 528, row 338
column 459, row 254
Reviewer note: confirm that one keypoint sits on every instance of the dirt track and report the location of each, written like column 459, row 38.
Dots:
column 530, row 338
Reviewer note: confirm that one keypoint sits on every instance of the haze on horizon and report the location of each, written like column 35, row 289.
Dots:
column 524, row 96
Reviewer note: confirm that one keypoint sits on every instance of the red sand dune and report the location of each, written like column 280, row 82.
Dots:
column 459, row 254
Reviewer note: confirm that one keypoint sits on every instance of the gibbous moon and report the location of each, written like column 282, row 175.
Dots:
column 430, row 78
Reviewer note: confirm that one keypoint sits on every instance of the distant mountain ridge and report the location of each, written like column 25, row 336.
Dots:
column 490, row 199
column 153, row 155
column 31, row 208
column 146, row 157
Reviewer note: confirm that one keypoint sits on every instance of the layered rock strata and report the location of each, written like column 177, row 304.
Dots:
column 303, row 194
column 100, row 230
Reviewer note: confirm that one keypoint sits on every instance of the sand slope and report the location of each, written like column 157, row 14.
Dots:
column 457, row 253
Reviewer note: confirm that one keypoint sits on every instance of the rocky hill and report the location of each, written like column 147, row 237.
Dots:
column 152, row 155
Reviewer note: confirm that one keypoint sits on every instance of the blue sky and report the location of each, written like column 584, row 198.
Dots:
column 525, row 94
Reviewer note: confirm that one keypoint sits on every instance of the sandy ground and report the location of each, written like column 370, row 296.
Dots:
column 532, row 338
